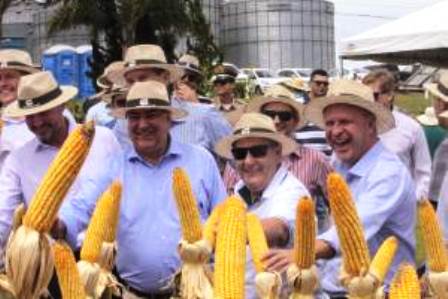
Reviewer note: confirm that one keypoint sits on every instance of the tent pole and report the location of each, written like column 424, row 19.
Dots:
column 341, row 67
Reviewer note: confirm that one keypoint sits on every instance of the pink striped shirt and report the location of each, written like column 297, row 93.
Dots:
column 308, row 165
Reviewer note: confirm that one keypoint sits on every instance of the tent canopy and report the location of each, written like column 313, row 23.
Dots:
column 421, row 37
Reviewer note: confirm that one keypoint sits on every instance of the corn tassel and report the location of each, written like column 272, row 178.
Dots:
column 187, row 207
column 57, row 181
column 230, row 253
column 67, row 272
column 384, row 258
column 355, row 254
column 193, row 281
column 405, row 284
column 29, row 259
column 302, row 276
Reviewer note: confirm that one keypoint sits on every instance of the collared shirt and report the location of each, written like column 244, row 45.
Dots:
column 25, row 167
column 203, row 125
column 149, row 229
column 279, row 200
column 100, row 113
column 313, row 137
column 442, row 208
column 408, row 141
column 439, row 169
column 232, row 112
column 384, row 196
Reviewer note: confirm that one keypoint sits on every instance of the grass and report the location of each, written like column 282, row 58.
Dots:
column 413, row 103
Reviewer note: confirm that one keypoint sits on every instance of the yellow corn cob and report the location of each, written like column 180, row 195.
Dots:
column 230, row 253
column 405, row 284
column 432, row 236
column 67, row 271
column 304, row 246
column 354, row 249
column 103, row 225
column 59, row 177
column 186, row 206
column 211, row 225
column 383, row 258
column 257, row 241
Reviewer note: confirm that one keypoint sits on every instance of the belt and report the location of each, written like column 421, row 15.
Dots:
column 149, row 295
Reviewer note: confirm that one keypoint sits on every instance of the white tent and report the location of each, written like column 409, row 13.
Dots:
column 419, row 37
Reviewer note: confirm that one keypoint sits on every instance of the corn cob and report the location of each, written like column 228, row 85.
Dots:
column 354, row 249
column 211, row 226
column 257, row 241
column 405, row 284
column 103, row 225
column 231, row 251
column 304, row 246
column 68, row 275
column 383, row 258
column 186, row 206
column 60, row 175
column 432, row 236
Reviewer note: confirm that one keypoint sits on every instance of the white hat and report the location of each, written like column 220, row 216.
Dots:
column 17, row 60
column 428, row 118
column 439, row 88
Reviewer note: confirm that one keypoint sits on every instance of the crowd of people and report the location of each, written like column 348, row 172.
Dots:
column 271, row 151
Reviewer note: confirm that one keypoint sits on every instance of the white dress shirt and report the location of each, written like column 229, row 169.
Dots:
column 442, row 209
column 24, row 168
column 408, row 141
column 279, row 200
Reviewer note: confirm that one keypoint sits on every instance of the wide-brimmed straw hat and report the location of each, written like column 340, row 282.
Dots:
column 439, row 88
column 350, row 92
column 277, row 94
column 428, row 118
column 104, row 81
column 12, row 59
column 254, row 125
column 142, row 57
column 37, row 93
column 151, row 95
column 295, row 84
column 190, row 64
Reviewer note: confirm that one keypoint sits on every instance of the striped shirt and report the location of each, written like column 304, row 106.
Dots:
column 312, row 136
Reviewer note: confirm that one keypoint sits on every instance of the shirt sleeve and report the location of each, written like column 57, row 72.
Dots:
column 422, row 164
column 217, row 126
column 442, row 209
column 216, row 190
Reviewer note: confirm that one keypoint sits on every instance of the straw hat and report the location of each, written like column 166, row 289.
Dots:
column 277, row 94
column 254, row 125
column 439, row 88
column 190, row 64
column 37, row 93
column 142, row 57
column 104, row 81
column 223, row 72
column 151, row 95
column 428, row 118
column 12, row 59
column 296, row 84
column 112, row 92
column 351, row 93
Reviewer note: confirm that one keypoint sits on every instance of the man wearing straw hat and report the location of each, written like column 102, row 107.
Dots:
column 268, row 189
column 382, row 187
column 307, row 165
column 149, row 229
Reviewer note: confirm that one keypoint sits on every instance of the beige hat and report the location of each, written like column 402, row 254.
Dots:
column 353, row 93
column 37, row 93
column 105, row 82
column 295, row 84
column 17, row 60
column 254, row 125
column 145, row 57
column 277, row 94
column 112, row 92
column 444, row 114
column 151, row 95
column 190, row 63
column 428, row 118
column 439, row 88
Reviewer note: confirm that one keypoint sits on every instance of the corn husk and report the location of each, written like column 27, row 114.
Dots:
column 268, row 285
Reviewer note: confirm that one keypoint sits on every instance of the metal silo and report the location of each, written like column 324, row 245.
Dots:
column 211, row 12
column 278, row 33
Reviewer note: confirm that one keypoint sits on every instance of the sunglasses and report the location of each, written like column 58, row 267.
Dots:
column 324, row 83
column 256, row 151
column 282, row 115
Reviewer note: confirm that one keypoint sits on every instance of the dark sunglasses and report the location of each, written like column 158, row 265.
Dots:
column 282, row 115
column 257, row 151
column 324, row 83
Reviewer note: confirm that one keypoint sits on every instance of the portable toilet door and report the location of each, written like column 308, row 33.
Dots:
column 66, row 70
column 49, row 63
column 86, row 87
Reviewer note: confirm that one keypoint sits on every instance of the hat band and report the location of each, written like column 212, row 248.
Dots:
column 442, row 89
column 188, row 65
column 145, row 102
column 39, row 101
column 5, row 64
column 144, row 61
column 246, row 131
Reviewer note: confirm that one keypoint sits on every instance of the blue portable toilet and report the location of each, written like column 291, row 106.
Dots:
column 62, row 60
column 85, row 85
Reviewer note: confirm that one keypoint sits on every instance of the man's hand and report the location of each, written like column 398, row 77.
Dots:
column 278, row 260
column 59, row 230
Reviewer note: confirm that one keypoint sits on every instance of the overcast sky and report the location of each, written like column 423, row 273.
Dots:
column 356, row 16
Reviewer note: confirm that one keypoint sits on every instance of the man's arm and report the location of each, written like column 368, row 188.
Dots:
column 421, row 160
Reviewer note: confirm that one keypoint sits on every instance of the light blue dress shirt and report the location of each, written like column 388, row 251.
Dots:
column 385, row 199
column 100, row 113
column 149, row 229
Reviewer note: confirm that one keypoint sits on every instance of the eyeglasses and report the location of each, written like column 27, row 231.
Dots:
column 256, row 151
column 324, row 83
column 283, row 116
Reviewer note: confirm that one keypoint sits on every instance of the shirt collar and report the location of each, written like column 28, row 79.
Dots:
column 174, row 150
column 362, row 167
column 40, row 146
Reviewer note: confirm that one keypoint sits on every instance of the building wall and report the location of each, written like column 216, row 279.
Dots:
column 278, row 33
